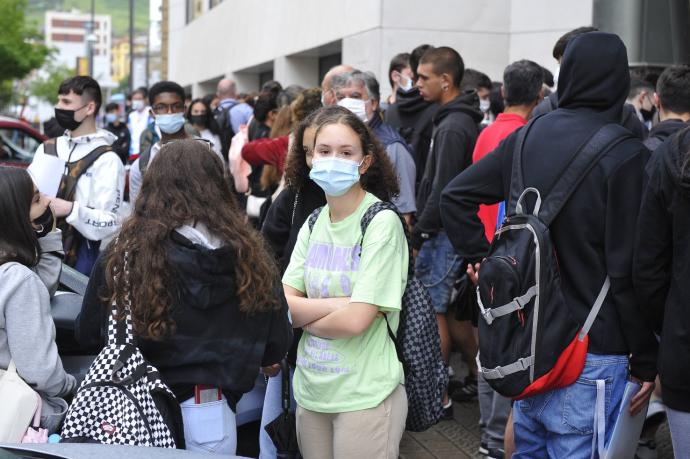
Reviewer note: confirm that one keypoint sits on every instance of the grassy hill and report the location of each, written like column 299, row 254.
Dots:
column 118, row 9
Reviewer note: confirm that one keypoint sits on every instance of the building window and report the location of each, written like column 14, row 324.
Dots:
column 68, row 37
column 195, row 8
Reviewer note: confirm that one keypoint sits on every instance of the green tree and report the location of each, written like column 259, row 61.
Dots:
column 45, row 85
column 21, row 50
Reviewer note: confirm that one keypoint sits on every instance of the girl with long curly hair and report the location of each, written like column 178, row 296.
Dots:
column 341, row 287
column 205, row 295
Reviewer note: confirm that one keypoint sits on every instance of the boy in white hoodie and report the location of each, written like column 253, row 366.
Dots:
column 93, row 182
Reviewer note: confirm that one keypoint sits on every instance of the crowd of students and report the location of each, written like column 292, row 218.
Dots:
column 244, row 244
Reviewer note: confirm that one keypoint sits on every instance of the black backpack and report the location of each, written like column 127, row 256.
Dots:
column 417, row 344
column 529, row 342
column 222, row 117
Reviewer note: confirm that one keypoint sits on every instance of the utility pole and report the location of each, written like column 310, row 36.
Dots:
column 131, row 46
column 91, row 36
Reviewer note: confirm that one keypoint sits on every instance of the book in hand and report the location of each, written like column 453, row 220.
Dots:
column 627, row 430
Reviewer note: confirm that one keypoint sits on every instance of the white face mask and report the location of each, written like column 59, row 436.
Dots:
column 484, row 105
column 138, row 105
column 408, row 83
column 555, row 75
column 356, row 106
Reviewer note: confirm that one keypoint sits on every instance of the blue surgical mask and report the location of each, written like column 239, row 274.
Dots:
column 110, row 117
column 334, row 175
column 170, row 124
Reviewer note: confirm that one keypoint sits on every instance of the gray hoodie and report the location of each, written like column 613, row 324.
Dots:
column 27, row 335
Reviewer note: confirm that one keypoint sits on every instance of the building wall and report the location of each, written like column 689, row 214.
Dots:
column 240, row 39
column 67, row 32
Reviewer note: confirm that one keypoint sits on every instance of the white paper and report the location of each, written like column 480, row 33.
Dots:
column 46, row 171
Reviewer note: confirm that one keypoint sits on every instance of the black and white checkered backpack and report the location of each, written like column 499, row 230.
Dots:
column 115, row 402
column 417, row 344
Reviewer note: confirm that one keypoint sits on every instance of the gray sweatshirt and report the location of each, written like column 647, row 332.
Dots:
column 27, row 335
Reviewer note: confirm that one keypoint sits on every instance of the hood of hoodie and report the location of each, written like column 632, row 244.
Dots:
column 410, row 102
column 594, row 75
column 467, row 103
column 677, row 159
column 205, row 275
column 104, row 134
column 667, row 128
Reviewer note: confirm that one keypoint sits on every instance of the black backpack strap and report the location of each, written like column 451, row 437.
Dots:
column 369, row 215
column 79, row 168
column 517, row 183
column 144, row 160
column 313, row 217
column 584, row 161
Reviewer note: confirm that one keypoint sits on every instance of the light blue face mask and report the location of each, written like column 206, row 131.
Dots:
column 334, row 175
column 170, row 124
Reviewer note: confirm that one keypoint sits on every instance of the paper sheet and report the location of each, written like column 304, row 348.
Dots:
column 46, row 171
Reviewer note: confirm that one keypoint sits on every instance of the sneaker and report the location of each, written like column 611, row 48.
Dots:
column 483, row 449
column 495, row 454
column 465, row 392
column 447, row 412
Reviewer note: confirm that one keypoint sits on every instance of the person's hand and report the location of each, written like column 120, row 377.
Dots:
column 473, row 273
column 60, row 207
column 271, row 370
column 415, row 252
column 641, row 399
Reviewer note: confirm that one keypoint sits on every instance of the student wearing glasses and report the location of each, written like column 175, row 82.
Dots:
column 168, row 110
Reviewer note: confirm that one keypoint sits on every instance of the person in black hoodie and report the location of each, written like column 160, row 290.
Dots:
column 206, row 302
column 593, row 236
column 411, row 116
column 629, row 119
column 672, row 99
column 455, row 131
column 661, row 271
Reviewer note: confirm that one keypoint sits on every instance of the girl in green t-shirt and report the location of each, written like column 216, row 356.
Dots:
column 348, row 381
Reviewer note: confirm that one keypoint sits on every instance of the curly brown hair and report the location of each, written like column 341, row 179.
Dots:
column 380, row 179
column 184, row 185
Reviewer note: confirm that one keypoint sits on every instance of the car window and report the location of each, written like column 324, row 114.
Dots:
column 17, row 145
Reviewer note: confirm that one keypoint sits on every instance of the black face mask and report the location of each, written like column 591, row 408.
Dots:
column 647, row 115
column 199, row 120
column 65, row 118
column 45, row 223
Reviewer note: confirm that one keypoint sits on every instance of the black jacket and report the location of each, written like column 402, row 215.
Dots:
column 662, row 264
column 121, row 145
column 593, row 234
column 629, row 119
column 214, row 343
column 285, row 218
column 411, row 115
column 663, row 131
column 454, row 135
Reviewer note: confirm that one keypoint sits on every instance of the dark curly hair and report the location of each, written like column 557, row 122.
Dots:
column 380, row 179
column 184, row 183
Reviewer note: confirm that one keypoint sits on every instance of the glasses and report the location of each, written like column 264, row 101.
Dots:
column 206, row 142
column 163, row 109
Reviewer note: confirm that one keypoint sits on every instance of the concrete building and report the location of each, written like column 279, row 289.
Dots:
column 297, row 41
column 67, row 31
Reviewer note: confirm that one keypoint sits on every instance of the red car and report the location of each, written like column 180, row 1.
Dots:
column 18, row 142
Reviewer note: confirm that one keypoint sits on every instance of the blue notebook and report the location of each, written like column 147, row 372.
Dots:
column 627, row 430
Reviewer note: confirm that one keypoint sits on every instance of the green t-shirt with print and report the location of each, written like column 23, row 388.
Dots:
column 341, row 375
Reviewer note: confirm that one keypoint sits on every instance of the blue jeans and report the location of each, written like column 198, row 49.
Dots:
column 273, row 406
column 561, row 423
column 438, row 267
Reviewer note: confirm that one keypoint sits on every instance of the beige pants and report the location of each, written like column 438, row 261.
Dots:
column 366, row 434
